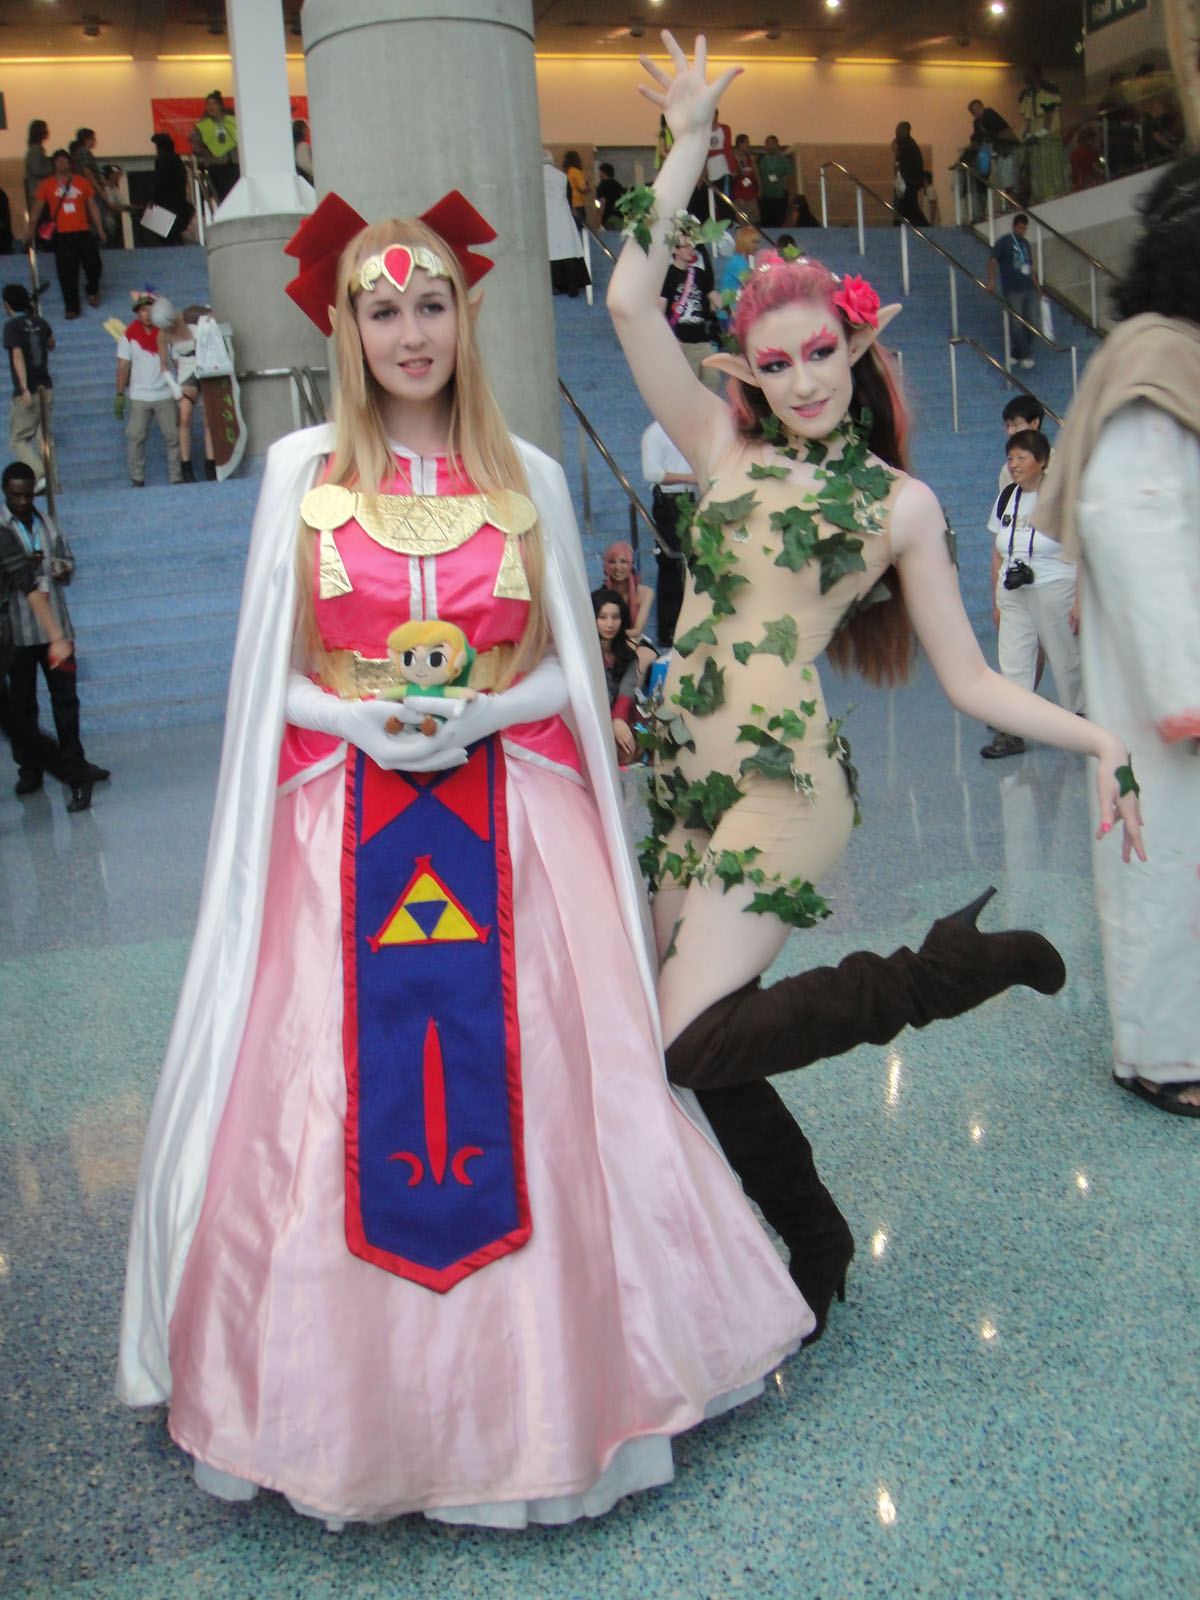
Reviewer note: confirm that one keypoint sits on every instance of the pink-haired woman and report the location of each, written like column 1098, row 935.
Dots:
column 811, row 539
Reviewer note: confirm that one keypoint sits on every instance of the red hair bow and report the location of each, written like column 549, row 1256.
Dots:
column 320, row 239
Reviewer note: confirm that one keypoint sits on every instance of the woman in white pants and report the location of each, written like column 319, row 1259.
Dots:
column 1036, row 594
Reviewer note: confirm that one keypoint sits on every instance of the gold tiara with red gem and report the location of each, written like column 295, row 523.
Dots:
column 396, row 263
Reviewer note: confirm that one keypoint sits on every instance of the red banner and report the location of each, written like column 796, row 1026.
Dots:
column 179, row 117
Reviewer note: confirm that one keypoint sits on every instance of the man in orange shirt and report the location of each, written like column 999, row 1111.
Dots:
column 66, row 204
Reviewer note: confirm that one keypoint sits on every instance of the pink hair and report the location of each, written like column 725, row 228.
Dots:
column 783, row 283
column 630, row 590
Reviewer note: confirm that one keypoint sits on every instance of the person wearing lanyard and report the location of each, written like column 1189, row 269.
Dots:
column 1018, row 285
column 36, row 630
column 66, row 207
column 1035, row 590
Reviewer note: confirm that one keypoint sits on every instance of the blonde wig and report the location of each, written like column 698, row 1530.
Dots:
column 477, row 439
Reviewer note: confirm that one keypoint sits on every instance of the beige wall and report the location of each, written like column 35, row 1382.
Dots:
column 587, row 101
column 583, row 101
column 114, row 98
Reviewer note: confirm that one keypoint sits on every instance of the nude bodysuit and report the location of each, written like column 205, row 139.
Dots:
column 752, row 780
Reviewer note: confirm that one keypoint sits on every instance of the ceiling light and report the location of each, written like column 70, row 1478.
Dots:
column 997, row 8
column 833, row 5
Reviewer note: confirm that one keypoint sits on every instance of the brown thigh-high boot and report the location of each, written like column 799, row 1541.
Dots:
column 774, row 1160
column 866, row 999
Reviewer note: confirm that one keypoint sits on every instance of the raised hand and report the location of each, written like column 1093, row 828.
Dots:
column 687, row 98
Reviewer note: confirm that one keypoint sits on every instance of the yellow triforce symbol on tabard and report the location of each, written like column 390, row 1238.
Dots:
column 428, row 913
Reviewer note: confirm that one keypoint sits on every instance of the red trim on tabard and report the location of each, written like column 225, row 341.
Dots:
column 353, row 1210
column 439, row 1281
column 508, row 969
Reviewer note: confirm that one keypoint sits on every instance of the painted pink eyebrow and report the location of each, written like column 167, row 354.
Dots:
column 761, row 357
column 826, row 336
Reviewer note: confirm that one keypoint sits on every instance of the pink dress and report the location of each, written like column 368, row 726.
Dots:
column 547, row 1383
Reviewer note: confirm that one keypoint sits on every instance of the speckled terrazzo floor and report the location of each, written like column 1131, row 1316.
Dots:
column 1006, row 1405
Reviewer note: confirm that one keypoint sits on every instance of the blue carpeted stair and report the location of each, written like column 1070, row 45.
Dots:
column 159, row 569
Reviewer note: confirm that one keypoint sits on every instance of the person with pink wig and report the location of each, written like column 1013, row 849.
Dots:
column 621, row 574
column 811, row 539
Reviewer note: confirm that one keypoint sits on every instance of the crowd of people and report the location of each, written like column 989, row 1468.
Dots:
column 1136, row 124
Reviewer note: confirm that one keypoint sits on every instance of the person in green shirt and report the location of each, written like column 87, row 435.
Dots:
column 776, row 180
column 214, row 143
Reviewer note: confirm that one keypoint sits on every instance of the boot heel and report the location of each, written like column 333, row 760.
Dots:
column 968, row 915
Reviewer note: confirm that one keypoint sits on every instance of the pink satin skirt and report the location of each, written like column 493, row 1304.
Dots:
column 647, row 1291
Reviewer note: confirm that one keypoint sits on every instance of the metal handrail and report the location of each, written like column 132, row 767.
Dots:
column 962, row 338
column 1006, row 194
column 951, row 262
column 588, row 431
column 1093, row 265
column 310, row 408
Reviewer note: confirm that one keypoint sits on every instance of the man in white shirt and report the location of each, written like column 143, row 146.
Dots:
column 143, row 391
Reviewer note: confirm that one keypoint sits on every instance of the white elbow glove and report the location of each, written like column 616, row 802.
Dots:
column 362, row 723
column 541, row 693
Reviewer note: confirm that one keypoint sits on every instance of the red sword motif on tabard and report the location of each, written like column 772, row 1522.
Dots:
column 433, row 1076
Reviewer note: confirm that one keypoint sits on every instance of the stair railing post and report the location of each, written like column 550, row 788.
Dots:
column 585, row 482
column 959, row 177
column 585, row 233
column 1007, row 343
column 991, row 216
column 953, row 303
column 862, row 238
column 824, row 201
column 904, row 255
column 954, row 383
column 1074, row 372
column 1092, row 289
column 1041, row 254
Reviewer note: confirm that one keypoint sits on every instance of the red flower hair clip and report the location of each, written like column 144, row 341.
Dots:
column 857, row 302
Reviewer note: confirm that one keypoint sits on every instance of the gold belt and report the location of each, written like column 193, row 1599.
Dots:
column 357, row 677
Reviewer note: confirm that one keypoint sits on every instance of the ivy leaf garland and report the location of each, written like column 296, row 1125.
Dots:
column 839, row 555
column 838, row 746
column 780, row 638
column 798, row 530
column 638, row 208
column 702, row 633
column 1126, row 782
column 797, row 903
column 704, row 697
column 849, row 495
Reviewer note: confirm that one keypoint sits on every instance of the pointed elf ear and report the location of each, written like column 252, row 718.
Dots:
column 860, row 339
column 475, row 306
column 733, row 366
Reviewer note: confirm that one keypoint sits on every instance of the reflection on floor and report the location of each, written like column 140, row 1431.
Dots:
column 1006, row 1404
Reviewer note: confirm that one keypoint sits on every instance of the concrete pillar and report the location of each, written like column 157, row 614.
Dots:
column 247, row 269
column 410, row 98
column 269, row 183
column 248, row 273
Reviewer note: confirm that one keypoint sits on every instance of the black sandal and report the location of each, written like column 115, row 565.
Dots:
column 1165, row 1097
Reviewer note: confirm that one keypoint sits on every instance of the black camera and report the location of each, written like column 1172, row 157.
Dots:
column 1017, row 575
